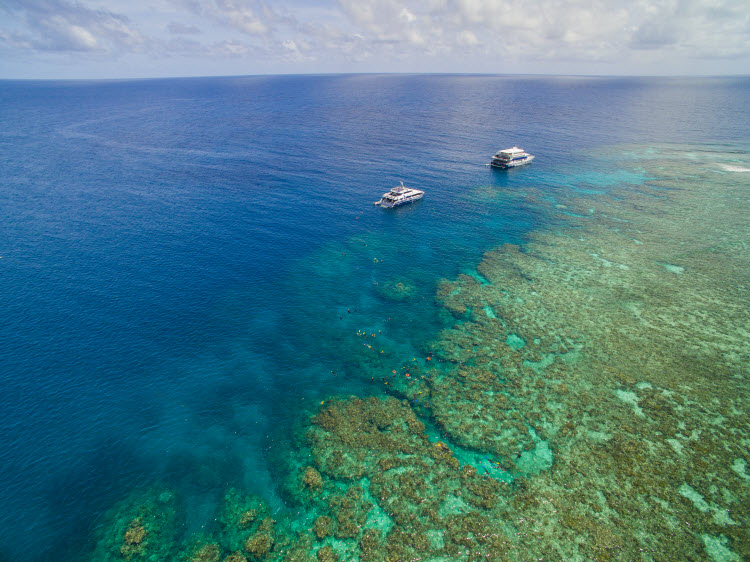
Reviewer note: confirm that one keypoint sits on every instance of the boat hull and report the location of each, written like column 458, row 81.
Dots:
column 512, row 164
column 391, row 204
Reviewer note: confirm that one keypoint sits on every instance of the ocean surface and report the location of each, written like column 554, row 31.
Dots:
column 187, row 266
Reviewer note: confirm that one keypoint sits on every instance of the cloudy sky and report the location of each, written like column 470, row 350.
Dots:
column 150, row 38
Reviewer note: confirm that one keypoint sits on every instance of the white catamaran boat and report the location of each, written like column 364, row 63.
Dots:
column 511, row 157
column 399, row 195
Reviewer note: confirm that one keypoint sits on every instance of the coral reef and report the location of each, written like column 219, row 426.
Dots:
column 259, row 544
column 618, row 338
column 326, row 554
column 312, row 478
column 143, row 526
column 134, row 542
column 587, row 401
column 235, row 557
column 399, row 485
column 602, row 366
column 323, row 526
column 245, row 526
column 210, row 552
column 397, row 290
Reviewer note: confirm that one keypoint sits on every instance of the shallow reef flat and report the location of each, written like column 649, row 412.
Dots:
column 589, row 401
column 634, row 360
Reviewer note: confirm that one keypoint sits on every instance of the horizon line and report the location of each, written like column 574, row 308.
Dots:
column 322, row 74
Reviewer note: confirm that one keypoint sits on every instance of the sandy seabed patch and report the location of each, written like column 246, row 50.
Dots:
column 731, row 168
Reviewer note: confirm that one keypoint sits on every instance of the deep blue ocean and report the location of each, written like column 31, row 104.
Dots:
column 185, row 263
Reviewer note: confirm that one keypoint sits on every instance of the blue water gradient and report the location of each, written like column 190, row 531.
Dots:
column 185, row 263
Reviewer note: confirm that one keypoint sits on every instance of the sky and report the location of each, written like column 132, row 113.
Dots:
column 162, row 38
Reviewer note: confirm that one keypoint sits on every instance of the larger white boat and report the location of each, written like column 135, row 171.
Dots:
column 511, row 157
column 399, row 195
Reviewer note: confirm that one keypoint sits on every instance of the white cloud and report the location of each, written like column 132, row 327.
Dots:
column 81, row 36
column 467, row 38
column 406, row 16
column 230, row 48
column 381, row 35
column 239, row 15
column 58, row 25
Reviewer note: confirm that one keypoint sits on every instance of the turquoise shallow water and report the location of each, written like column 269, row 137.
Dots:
column 189, row 266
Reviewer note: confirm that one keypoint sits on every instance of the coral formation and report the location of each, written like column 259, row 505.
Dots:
column 242, row 515
column 322, row 526
column 400, row 486
column 259, row 544
column 235, row 557
column 397, row 290
column 143, row 526
column 326, row 554
column 134, row 541
column 209, row 552
column 312, row 478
